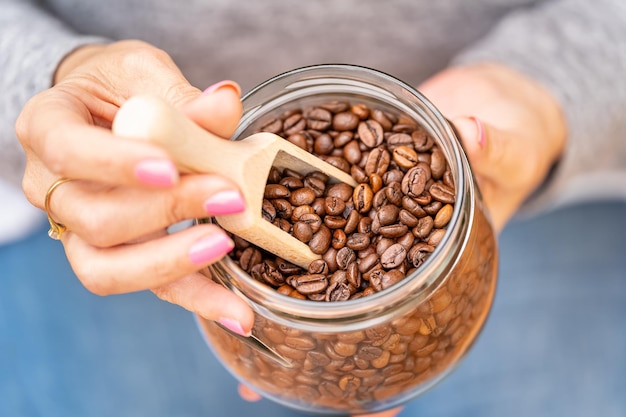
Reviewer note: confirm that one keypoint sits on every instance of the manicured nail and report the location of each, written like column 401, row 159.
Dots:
column 224, row 202
column 481, row 131
column 222, row 84
column 233, row 325
column 210, row 248
column 159, row 172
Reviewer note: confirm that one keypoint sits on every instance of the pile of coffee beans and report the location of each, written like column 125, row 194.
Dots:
column 369, row 237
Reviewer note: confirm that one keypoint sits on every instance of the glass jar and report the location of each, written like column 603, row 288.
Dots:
column 375, row 352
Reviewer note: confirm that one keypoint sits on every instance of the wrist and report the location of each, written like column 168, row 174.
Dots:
column 74, row 59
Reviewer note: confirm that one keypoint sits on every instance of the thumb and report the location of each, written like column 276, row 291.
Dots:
column 490, row 150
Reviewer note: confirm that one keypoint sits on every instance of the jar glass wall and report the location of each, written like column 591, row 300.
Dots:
column 374, row 352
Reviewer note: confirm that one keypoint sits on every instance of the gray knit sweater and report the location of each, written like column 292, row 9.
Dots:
column 577, row 48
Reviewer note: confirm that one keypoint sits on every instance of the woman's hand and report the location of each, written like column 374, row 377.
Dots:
column 511, row 127
column 127, row 192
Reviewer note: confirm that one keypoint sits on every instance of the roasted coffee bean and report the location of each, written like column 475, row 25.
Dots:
column 320, row 242
column 282, row 224
column 435, row 237
column 250, row 257
column 345, row 256
column 345, row 121
column 316, row 184
column 424, row 227
column 302, row 196
column 287, row 268
column 338, row 162
column 339, row 239
column 358, row 241
column 371, row 133
column 336, row 106
column 268, row 211
column 352, row 153
column 302, row 231
column 334, row 206
column 318, row 266
column 393, row 230
column 405, row 157
column 284, row 209
column 313, row 220
column 319, row 119
column 294, row 124
column 338, row 292
column 376, row 182
column 341, row 190
column 323, row 144
column 377, row 161
column 276, row 191
column 352, row 222
column 393, row 256
column 438, row 164
column 399, row 139
column 406, row 217
column 441, row 192
column 393, row 193
column 292, row 183
column 387, row 214
column 335, row 222
column 393, row 175
column 362, row 197
column 414, row 181
column 443, row 216
column 309, row 283
column 272, row 126
column 433, row 207
column 422, row 141
column 385, row 119
column 300, row 211
column 419, row 253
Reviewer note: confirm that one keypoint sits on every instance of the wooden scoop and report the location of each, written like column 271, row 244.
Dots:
column 247, row 162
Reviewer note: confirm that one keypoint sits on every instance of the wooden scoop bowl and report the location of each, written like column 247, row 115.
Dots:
column 247, row 162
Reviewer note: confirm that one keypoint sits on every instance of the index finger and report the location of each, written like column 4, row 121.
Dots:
column 58, row 128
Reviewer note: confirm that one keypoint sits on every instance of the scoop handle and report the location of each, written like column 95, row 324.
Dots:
column 193, row 149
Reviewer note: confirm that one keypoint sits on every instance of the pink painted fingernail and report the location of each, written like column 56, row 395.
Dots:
column 159, row 172
column 210, row 248
column 224, row 202
column 233, row 325
column 481, row 131
column 222, row 84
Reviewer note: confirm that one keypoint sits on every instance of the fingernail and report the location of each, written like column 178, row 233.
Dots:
column 222, row 84
column 233, row 325
column 159, row 172
column 210, row 248
column 481, row 131
column 224, row 202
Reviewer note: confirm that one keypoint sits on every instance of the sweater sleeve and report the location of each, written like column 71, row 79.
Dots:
column 577, row 49
column 32, row 43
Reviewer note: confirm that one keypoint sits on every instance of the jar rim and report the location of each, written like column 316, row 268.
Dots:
column 413, row 287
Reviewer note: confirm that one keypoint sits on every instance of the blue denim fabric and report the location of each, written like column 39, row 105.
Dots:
column 554, row 345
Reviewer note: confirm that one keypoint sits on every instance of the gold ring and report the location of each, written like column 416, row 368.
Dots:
column 56, row 229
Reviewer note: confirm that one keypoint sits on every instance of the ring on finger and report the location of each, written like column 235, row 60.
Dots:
column 56, row 229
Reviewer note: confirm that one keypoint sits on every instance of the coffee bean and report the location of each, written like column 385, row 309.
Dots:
column 443, row 193
column 345, row 121
column 443, row 216
column 414, row 181
column 276, row 191
column 309, row 283
column 406, row 157
column 319, row 119
column 393, row 256
column 399, row 139
column 302, row 196
column 377, row 161
column 302, row 231
column 362, row 197
column 371, row 133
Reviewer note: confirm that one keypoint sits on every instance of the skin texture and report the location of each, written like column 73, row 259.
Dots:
column 512, row 130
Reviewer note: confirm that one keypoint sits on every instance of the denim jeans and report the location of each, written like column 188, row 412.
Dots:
column 554, row 344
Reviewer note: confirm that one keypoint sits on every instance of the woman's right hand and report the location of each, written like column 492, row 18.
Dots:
column 125, row 193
